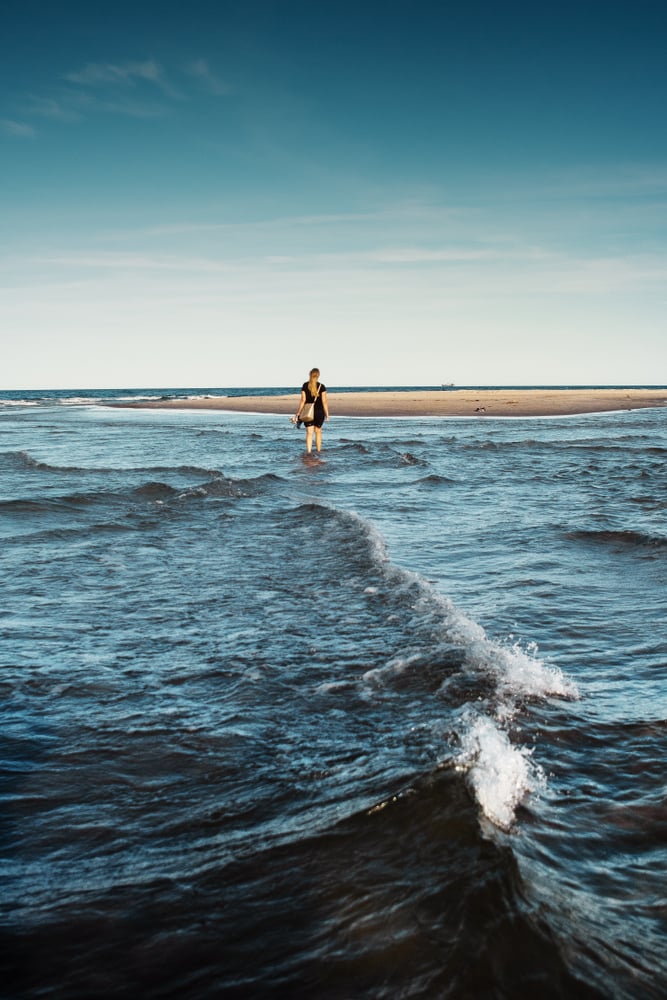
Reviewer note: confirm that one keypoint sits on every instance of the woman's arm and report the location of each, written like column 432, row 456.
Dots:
column 323, row 397
column 301, row 402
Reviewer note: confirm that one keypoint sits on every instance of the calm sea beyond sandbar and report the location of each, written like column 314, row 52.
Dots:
column 437, row 402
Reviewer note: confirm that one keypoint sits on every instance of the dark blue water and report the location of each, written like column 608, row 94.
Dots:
column 388, row 724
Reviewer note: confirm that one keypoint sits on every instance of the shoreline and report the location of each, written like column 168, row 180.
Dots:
column 451, row 402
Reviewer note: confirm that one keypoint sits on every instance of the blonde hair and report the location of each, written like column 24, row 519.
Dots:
column 315, row 372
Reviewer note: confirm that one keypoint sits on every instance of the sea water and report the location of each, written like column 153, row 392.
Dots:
column 388, row 723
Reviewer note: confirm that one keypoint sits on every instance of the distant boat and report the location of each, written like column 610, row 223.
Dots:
column 447, row 385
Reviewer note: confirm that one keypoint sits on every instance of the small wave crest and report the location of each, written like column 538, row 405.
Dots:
column 214, row 489
column 24, row 460
column 407, row 458
column 48, row 504
column 518, row 672
column 21, row 460
column 620, row 539
column 77, row 400
column 435, row 480
column 255, row 485
column 500, row 774
column 355, row 447
column 155, row 491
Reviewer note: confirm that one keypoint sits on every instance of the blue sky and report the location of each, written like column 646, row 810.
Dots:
column 401, row 193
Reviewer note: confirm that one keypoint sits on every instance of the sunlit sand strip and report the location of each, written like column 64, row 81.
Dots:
column 435, row 403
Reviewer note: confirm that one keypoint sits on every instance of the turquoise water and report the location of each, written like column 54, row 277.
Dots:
column 388, row 724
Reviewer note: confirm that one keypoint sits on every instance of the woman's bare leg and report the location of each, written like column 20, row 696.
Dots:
column 318, row 438
column 309, row 439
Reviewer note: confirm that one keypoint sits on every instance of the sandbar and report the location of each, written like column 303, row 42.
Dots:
column 434, row 402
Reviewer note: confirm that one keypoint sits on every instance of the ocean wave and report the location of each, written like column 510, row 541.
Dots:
column 152, row 491
column 257, row 484
column 407, row 458
column 619, row 538
column 161, row 492
column 77, row 400
column 355, row 447
column 403, row 897
column 501, row 772
column 453, row 659
column 598, row 446
column 156, row 491
column 435, row 479
column 135, row 398
column 12, row 460
column 24, row 460
column 526, row 444
column 219, row 488
column 48, row 535
column 45, row 505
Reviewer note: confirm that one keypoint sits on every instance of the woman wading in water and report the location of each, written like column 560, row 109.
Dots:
column 313, row 392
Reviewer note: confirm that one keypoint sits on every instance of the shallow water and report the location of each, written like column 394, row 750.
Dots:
column 389, row 724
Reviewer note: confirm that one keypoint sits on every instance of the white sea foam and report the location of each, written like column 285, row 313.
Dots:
column 378, row 676
column 500, row 774
column 77, row 400
column 133, row 398
column 518, row 671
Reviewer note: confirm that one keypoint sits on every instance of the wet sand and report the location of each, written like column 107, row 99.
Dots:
column 435, row 403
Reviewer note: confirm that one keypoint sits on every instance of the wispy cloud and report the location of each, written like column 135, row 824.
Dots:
column 128, row 74
column 424, row 255
column 21, row 130
column 132, row 262
column 458, row 272
column 66, row 107
column 616, row 180
column 72, row 106
column 136, row 89
column 255, row 225
column 202, row 72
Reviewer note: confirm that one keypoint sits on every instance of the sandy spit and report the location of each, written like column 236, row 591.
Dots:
column 434, row 403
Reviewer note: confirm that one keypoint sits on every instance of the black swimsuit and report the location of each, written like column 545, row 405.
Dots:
column 319, row 405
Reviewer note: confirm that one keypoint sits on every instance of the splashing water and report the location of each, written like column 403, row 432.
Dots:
column 501, row 774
